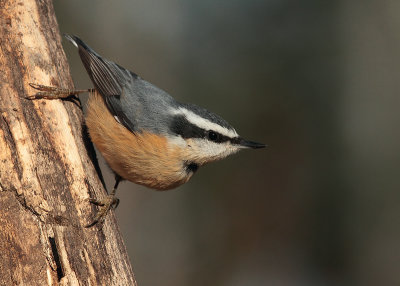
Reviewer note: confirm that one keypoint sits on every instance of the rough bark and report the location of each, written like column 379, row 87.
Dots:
column 48, row 166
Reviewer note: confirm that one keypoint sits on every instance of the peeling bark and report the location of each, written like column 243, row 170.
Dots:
column 48, row 166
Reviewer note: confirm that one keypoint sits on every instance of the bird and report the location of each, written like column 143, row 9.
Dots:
column 144, row 134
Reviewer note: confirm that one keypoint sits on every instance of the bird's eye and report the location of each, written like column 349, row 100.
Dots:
column 213, row 136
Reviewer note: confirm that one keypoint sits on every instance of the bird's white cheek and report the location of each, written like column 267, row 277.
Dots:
column 207, row 151
column 201, row 151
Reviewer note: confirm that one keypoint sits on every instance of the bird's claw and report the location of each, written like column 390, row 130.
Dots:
column 106, row 204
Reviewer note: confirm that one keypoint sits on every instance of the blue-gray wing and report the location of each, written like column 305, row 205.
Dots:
column 136, row 103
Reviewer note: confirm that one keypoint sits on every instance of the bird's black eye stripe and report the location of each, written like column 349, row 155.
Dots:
column 184, row 128
column 236, row 140
column 213, row 136
column 181, row 126
column 217, row 137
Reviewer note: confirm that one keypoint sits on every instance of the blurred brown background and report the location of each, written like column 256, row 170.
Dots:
column 318, row 81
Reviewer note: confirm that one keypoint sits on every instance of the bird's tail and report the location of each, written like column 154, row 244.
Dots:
column 73, row 39
column 77, row 42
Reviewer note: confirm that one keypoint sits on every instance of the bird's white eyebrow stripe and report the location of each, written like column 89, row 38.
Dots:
column 204, row 123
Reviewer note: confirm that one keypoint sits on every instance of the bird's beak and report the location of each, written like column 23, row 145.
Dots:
column 250, row 144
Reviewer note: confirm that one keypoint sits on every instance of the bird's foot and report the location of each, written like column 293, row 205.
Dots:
column 106, row 204
column 52, row 92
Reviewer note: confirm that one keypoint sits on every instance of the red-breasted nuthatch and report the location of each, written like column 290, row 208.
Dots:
column 145, row 135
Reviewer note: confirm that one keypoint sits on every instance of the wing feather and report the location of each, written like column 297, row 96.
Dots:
column 108, row 78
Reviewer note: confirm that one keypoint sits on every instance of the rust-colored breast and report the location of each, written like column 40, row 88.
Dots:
column 143, row 158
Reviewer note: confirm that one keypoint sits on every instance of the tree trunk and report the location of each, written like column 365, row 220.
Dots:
column 48, row 166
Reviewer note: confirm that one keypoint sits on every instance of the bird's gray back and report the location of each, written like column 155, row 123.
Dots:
column 146, row 106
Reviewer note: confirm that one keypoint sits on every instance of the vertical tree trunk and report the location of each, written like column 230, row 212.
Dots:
column 47, row 166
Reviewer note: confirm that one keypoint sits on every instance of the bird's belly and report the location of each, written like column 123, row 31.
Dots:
column 156, row 172
column 143, row 158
